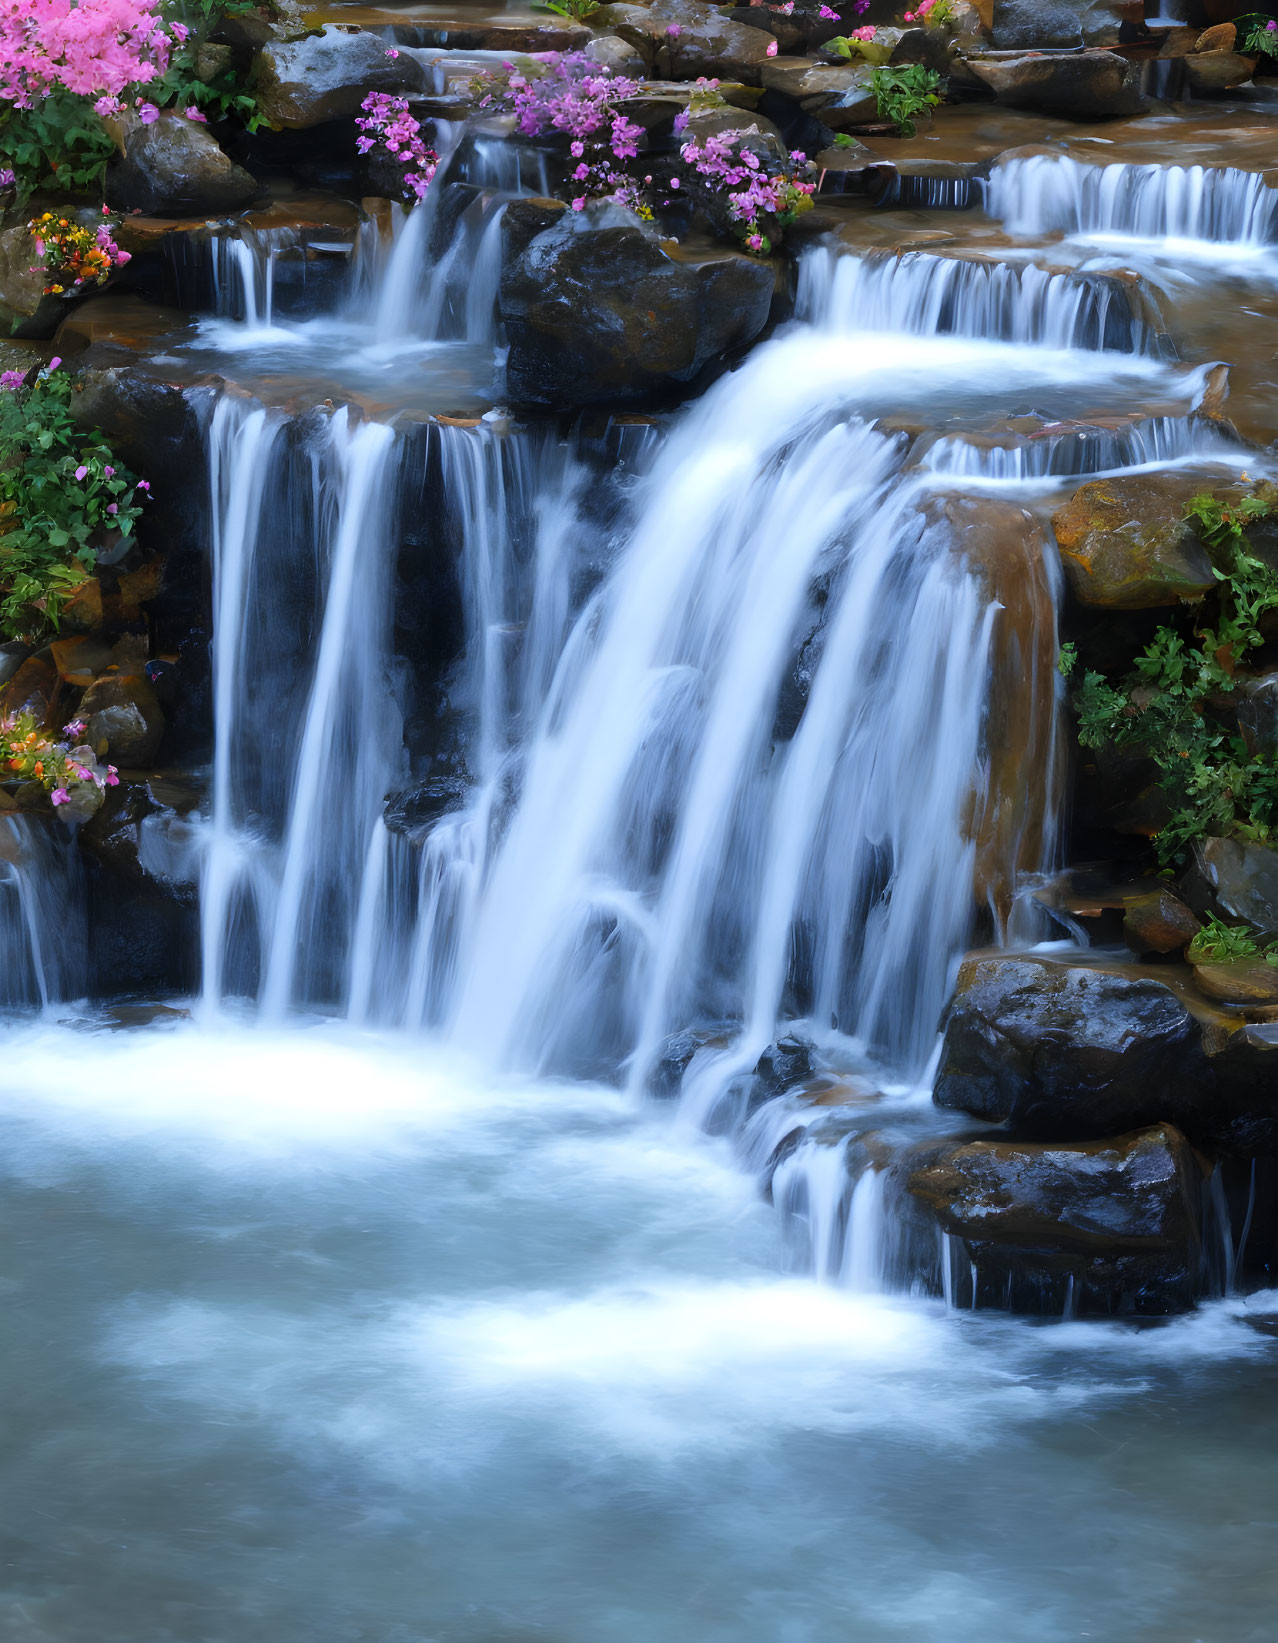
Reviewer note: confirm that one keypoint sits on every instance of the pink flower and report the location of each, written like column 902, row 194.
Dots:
column 107, row 106
column 75, row 729
column 60, row 796
column 9, row 380
column 772, row 49
column 113, row 507
column 148, row 113
column 829, row 14
column 673, row 31
column 392, row 53
column 193, row 113
column 81, row 471
column 579, row 204
column 121, row 257
column 54, row 363
column 674, row 182
column 144, row 484
column 112, row 778
column 109, row 471
column 180, row 33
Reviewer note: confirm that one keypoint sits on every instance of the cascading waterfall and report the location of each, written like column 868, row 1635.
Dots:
column 922, row 294
column 42, row 913
column 1156, row 442
column 243, row 270
column 1050, row 193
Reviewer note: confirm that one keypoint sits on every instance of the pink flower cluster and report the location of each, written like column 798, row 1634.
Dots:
column 90, row 47
column 388, row 124
column 575, row 97
column 930, row 11
column 753, row 192
column 866, row 33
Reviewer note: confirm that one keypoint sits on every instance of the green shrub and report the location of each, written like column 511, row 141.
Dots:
column 902, row 93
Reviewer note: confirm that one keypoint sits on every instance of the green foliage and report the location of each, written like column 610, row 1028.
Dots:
column 220, row 93
column 1175, row 705
column 58, row 144
column 1220, row 943
column 852, row 48
column 1257, row 34
column 904, row 92
column 578, row 10
column 62, row 495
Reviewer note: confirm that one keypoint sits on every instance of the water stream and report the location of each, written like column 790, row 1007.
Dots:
column 371, row 1294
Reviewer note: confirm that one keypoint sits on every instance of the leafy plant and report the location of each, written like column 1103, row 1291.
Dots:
column 578, row 10
column 62, row 496
column 904, row 92
column 859, row 45
column 1174, row 705
column 1221, row 943
column 57, row 144
column 1257, row 34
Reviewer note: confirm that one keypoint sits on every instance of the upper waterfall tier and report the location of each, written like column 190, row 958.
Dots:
column 1051, row 193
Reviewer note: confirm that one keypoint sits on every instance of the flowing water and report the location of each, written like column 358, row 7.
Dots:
column 371, row 1294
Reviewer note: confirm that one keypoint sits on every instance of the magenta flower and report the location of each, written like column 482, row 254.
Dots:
column 144, row 484
column 75, row 729
column 109, row 471
column 180, row 33
column 113, row 507
column 193, row 113
column 60, row 796
column 673, row 31
column 772, row 49
column 9, row 380
column 81, row 471
column 112, row 777
column 828, row 13
column 392, row 53
column 148, row 113
column 579, row 204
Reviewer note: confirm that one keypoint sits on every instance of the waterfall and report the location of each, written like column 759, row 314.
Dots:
column 42, row 913
column 1153, row 442
column 1050, row 193
column 923, row 294
column 243, row 272
column 305, row 733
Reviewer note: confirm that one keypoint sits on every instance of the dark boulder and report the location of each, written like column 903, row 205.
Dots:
column 1238, row 880
column 1084, row 85
column 326, row 76
column 1126, row 544
column 1034, row 25
column 1096, row 1227
column 175, row 168
column 706, row 43
column 597, row 309
column 1158, row 922
column 1065, row 1050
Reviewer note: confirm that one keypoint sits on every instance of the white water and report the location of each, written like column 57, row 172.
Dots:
column 1202, row 212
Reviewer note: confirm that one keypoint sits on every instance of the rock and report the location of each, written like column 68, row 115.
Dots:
column 783, row 1064
column 13, row 652
column 1126, row 544
column 708, row 43
column 1220, row 37
column 174, row 168
column 1063, row 1050
column 1105, row 1227
column 124, row 718
column 416, row 809
column 79, row 660
column 618, row 56
column 1257, row 707
column 597, row 309
column 1242, row 880
column 302, row 83
column 673, row 1060
column 1034, row 25
column 1211, row 73
column 1239, row 981
column 25, row 311
column 144, row 831
column 30, row 689
column 839, row 96
column 1159, row 922
column 1084, row 85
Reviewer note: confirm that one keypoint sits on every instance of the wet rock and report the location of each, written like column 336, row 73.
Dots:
column 24, row 309
column 1240, row 981
column 1158, row 922
column 708, row 43
column 1257, row 706
column 1085, row 85
column 144, row 831
column 31, row 688
column 1241, row 879
column 1126, row 544
column 173, row 168
column 124, row 718
column 1062, row 1050
column 840, row 96
column 1105, row 1227
column 675, row 1057
column 596, row 308
column 782, row 1065
column 13, row 652
column 1035, row 25
column 416, row 809
column 618, row 56
column 1211, row 73
column 302, row 83
column 1220, row 37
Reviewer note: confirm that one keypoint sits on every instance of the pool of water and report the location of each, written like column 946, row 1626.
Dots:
column 318, row 1336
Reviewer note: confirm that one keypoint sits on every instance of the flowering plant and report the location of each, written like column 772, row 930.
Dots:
column 1258, row 34
column 860, row 43
column 67, row 769
column 62, row 494
column 760, row 202
column 73, row 255
column 573, row 96
column 387, row 124
column 932, row 13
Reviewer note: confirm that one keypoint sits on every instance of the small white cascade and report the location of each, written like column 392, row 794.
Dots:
column 42, row 913
column 922, row 294
column 1051, row 193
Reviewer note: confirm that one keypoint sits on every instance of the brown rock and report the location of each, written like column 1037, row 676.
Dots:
column 839, row 95
column 82, row 612
column 79, row 660
column 1216, row 71
column 1240, row 981
column 175, row 166
column 31, row 689
column 124, row 717
column 1126, row 544
column 708, row 42
column 302, row 83
column 1219, row 38
column 1097, row 85
column 1159, row 922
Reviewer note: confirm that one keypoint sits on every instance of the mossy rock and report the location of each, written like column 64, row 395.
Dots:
column 1126, row 544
